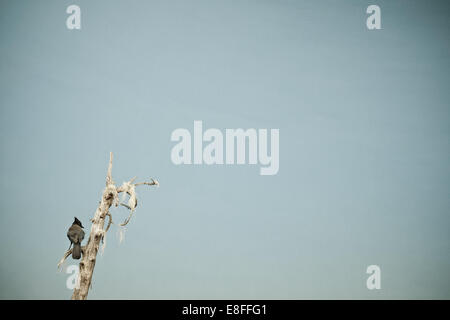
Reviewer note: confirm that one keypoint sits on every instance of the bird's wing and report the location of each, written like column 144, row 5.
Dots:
column 73, row 234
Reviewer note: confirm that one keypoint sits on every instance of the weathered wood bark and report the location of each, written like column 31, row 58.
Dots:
column 110, row 197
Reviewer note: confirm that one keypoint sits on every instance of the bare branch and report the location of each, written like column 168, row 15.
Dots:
column 68, row 253
column 124, row 187
column 132, row 180
column 129, row 188
column 127, row 219
column 109, row 179
column 126, row 206
column 153, row 183
column 109, row 222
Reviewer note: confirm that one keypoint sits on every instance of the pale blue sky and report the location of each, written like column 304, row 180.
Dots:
column 364, row 147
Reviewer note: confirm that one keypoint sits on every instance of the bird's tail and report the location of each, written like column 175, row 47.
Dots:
column 76, row 251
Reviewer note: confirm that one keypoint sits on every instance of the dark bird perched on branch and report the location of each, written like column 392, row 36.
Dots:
column 76, row 235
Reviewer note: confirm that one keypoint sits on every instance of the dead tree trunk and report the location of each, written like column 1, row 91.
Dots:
column 110, row 197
